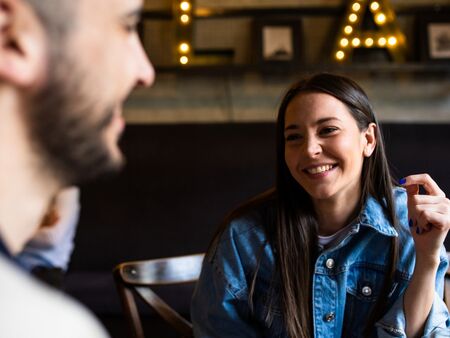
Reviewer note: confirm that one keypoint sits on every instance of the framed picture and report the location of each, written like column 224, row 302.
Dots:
column 278, row 43
column 434, row 35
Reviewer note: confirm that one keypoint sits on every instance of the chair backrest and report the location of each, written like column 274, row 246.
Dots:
column 137, row 278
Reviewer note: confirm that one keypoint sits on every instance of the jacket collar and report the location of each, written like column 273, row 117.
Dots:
column 373, row 217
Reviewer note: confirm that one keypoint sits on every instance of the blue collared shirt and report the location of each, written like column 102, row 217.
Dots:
column 347, row 281
column 4, row 250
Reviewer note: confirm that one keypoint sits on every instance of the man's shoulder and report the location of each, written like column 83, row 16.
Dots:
column 30, row 309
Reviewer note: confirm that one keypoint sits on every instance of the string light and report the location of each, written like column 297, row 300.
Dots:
column 352, row 17
column 380, row 18
column 368, row 42
column 184, row 47
column 356, row 7
column 356, row 42
column 184, row 30
column 348, row 29
column 374, row 6
column 382, row 42
column 185, row 18
column 185, row 6
column 344, row 42
column 340, row 55
column 184, row 60
column 392, row 41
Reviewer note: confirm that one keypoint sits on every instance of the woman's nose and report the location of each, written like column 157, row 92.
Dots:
column 312, row 146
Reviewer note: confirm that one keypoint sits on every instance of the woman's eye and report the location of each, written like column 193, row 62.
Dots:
column 328, row 130
column 292, row 137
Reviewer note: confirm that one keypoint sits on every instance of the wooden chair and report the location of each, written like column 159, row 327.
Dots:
column 137, row 278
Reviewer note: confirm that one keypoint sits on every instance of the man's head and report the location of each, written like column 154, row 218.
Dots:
column 72, row 63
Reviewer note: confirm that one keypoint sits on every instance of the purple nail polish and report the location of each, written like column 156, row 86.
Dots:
column 402, row 181
column 410, row 222
column 418, row 230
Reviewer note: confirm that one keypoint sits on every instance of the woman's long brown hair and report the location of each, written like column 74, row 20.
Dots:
column 293, row 233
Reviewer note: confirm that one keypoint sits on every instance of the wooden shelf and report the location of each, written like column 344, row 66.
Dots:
column 411, row 67
column 293, row 12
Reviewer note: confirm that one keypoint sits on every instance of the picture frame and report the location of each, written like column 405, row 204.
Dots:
column 278, row 43
column 434, row 37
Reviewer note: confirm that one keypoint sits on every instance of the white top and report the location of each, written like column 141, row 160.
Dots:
column 29, row 309
column 323, row 241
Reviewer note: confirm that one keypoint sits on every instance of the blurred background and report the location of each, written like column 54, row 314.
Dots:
column 201, row 139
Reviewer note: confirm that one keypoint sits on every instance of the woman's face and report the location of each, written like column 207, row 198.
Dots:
column 324, row 149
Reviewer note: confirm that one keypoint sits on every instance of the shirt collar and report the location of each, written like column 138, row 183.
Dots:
column 373, row 217
column 4, row 250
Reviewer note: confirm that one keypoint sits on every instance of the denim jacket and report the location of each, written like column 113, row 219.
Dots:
column 347, row 280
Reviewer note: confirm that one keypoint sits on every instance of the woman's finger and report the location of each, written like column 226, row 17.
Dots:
column 424, row 180
column 428, row 199
column 437, row 208
column 437, row 220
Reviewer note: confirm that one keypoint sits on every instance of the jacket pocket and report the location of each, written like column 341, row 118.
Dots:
column 364, row 287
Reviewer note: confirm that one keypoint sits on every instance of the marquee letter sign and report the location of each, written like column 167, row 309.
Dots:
column 183, row 12
column 388, row 34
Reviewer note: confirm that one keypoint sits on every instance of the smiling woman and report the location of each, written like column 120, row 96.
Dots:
column 324, row 151
column 328, row 252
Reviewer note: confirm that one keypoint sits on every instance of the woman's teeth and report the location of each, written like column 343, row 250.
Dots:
column 321, row 169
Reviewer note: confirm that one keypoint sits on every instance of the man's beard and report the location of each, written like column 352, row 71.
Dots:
column 67, row 129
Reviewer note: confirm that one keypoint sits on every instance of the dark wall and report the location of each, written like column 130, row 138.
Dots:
column 181, row 180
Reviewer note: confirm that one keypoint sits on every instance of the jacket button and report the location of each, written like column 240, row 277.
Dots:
column 330, row 263
column 329, row 317
column 366, row 291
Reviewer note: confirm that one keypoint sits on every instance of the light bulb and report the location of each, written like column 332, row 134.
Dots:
column 374, row 6
column 344, row 42
column 368, row 42
column 340, row 55
column 356, row 42
column 185, row 6
column 352, row 17
column 184, row 47
column 380, row 18
column 356, row 7
column 392, row 41
column 184, row 60
column 184, row 18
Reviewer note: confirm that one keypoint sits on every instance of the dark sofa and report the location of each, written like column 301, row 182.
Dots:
column 180, row 181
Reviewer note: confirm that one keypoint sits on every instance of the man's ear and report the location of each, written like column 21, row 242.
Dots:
column 370, row 139
column 22, row 44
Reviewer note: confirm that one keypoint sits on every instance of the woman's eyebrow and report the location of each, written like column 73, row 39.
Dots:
column 319, row 121
column 291, row 126
column 326, row 119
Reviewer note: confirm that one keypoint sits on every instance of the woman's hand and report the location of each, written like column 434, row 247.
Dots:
column 429, row 215
column 429, row 221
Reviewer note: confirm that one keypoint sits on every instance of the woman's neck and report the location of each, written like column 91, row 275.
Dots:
column 335, row 213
